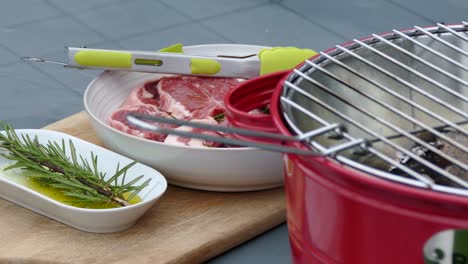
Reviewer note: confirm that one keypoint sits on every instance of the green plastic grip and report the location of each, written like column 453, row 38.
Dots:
column 106, row 59
column 282, row 58
column 197, row 66
column 116, row 59
column 204, row 66
column 175, row 48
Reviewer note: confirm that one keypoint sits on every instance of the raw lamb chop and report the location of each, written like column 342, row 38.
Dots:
column 182, row 97
column 145, row 94
column 187, row 97
column 118, row 121
column 182, row 141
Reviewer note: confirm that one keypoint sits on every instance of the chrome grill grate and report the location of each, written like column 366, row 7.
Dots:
column 402, row 99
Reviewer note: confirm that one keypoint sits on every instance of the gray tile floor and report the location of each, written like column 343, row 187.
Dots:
column 33, row 95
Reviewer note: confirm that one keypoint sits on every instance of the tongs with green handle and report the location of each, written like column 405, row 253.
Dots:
column 167, row 61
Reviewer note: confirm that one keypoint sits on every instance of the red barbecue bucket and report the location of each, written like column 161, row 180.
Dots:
column 337, row 213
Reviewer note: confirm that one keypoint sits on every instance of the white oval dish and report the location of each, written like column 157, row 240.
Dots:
column 90, row 220
column 215, row 169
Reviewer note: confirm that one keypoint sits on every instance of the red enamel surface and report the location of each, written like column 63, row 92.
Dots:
column 248, row 96
column 341, row 215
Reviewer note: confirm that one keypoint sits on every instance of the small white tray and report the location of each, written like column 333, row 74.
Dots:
column 90, row 220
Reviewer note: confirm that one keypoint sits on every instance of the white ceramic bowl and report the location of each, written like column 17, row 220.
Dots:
column 90, row 220
column 216, row 169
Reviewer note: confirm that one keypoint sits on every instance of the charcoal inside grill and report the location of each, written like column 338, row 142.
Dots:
column 436, row 159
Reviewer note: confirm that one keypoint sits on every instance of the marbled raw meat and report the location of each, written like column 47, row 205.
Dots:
column 187, row 97
column 118, row 121
column 183, row 141
column 183, row 97
column 144, row 94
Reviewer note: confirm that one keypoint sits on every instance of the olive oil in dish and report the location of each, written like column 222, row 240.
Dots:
column 56, row 170
column 57, row 195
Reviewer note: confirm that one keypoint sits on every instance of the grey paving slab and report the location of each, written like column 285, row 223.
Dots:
column 62, row 54
column 206, row 8
column 355, row 18
column 272, row 247
column 272, row 25
column 74, row 79
column 130, row 18
column 187, row 34
column 105, row 45
column 39, row 38
column 448, row 11
column 6, row 56
column 80, row 5
column 23, row 11
column 30, row 99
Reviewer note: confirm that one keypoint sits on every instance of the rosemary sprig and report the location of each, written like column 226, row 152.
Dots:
column 265, row 110
column 75, row 177
column 219, row 117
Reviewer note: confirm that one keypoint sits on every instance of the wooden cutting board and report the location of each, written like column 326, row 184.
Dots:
column 185, row 226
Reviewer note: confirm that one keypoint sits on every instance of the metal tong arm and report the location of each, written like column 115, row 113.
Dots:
column 137, row 120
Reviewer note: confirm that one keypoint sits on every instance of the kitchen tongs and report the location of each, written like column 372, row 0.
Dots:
column 248, row 66
column 146, row 122
column 283, row 142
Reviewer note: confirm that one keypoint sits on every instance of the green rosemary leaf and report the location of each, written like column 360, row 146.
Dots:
column 135, row 193
column 130, row 183
column 16, row 155
column 59, row 150
column 31, row 173
column 265, row 110
column 116, row 171
column 72, row 152
column 28, row 143
column 84, row 163
column 219, row 117
column 120, row 172
column 74, row 184
column 13, row 166
column 123, row 178
column 102, row 176
column 64, row 149
column 76, row 177
column 94, row 158
column 12, row 134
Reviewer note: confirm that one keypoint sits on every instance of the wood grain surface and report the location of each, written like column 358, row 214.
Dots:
column 185, row 226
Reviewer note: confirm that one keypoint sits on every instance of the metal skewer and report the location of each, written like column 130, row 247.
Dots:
column 136, row 119
column 33, row 59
